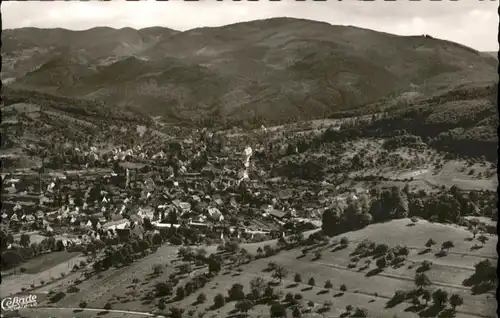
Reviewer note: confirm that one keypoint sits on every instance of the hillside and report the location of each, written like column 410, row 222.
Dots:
column 36, row 125
column 343, row 274
column 279, row 69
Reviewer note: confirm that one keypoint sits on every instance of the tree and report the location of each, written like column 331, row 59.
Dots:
column 257, row 287
column 282, row 243
column 344, row 241
column 107, row 306
column 297, row 278
column 348, row 308
column 456, row 301
column 163, row 289
column 404, row 251
column 360, row 312
column 24, row 240
column 180, row 293
column 244, row 306
column 421, row 280
column 232, row 247
column 343, row 288
column 201, row 298
column 447, row 245
column 484, row 270
column 296, row 313
column 176, row 312
column 328, row 284
column 201, row 253
column 236, row 292
column 161, row 304
column 260, row 252
column 280, row 273
column 157, row 269
column 277, row 310
column 82, row 304
column 311, row 282
column 381, row 263
column 269, row 292
column 482, row 238
column 426, row 295
column 214, row 265
column 440, row 297
column 430, row 243
column 330, row 220
column 219, row 300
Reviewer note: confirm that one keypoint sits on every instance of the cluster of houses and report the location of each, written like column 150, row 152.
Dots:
column 159, row 185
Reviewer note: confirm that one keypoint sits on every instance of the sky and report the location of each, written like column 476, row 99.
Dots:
column 470, row 22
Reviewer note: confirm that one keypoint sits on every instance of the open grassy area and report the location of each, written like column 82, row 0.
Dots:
column 364, row 289
column 46, row 268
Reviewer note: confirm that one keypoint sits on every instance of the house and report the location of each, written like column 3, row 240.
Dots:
column 215, row 214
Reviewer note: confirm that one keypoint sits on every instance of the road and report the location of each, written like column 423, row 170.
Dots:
column 78, row 312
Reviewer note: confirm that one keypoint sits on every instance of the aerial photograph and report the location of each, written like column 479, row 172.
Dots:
column 249, row 159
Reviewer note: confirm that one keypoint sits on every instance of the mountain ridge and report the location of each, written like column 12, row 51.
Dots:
column 279, row 69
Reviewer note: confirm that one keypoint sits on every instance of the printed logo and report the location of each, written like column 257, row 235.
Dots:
column 15, row 303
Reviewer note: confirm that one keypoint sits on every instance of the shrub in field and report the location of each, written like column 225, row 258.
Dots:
column 440, row 297
column 344, row 241
column 201, row 298
column 163, row 289
column 277, row 310
column 360, row 312
column 297, row 278
column 244, row 306
column 421, row 281
column 219, row 301
column 280, row 273
column 180, row 293
column 328, row 284
column 456, row 301
column 236, row 292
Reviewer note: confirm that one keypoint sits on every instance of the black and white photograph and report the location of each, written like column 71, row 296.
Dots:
column 249, row 159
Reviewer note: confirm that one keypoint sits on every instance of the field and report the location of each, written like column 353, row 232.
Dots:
column 366, row 290
column 46, row 268
column 420, row 169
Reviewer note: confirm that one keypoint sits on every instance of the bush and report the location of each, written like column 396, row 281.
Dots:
column 277, row 310
column 73, row 289
column 180, row 293
column 82, row 304
column 328, row 284
column 107, row 306
column 399, row 296
column 219, row 300
column 344, row 241
column 56, row 297
column 163, row 289
column 297, row 278
column 236, row 292
column 201, row 298
column 360, row 312
column 343, row 288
